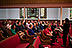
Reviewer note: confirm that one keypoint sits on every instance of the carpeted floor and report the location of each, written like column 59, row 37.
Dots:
column 58, row 45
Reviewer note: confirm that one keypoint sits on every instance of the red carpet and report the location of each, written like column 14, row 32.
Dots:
column 58, row 45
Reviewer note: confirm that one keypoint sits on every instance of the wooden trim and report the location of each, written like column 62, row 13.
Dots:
column 61, row 16
column 49, row 5
column 24, row 13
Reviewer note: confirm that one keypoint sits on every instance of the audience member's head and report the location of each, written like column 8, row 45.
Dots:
column 47, row 22
column 45, row 27
column 37, row 24
column 31, row 26
column 64, row 22
column 16, row 20
column 40, row 22
column 32, row 21
column 9, row 21
column 49, row 25
column 28, row 22
column 34, row 24
column 13, row 27
column 19, row 23
column 3, row 23
column 56, row 22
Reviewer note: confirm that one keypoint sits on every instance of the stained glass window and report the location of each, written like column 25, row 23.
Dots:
column 32, row 13
column 43, row 13
column 70, row 13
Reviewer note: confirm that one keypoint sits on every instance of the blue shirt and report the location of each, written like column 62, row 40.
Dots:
column 31, row 32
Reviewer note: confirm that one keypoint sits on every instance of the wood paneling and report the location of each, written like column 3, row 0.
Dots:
column 33, row 1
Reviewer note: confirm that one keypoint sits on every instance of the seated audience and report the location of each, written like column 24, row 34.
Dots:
column 4, row 29
column 40, row 25
column 46, row 31
column 22, row 24
column 19, row 27
column 9, row 25
column 28, row 24
column 16, row 22
column 57, row 25
column 30, row 31
column 35, row 28
column 38, row 28
column 13, row 27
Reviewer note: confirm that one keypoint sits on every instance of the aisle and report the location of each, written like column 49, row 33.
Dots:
column 58, row 45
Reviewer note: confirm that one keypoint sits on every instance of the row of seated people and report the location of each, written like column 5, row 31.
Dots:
column 33, row 28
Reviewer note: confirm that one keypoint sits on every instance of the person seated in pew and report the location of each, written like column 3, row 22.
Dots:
column 53, row 27
column 32, row 22
column 4, row 29
column 57, row 25
column 46, row 31
column 47, row 22
column 58, row 29
column 13, row 27
column 25, row 25
column 28, row 24
column 9, row 25
column 31, row 32
column 34, row 28
column 49, row 28
column 40, row 25
column 16, row 22
column 22, row 24
column 19, row 27
column 38, row 28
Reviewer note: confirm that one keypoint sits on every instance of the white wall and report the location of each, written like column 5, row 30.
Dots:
column 52, row 13
column 3, row 13
column 65, row 13
column 14, row 13
column 9, row 13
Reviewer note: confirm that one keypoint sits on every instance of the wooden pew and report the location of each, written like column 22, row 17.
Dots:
column 44, row 36
column 13, row 42
column 37, row 42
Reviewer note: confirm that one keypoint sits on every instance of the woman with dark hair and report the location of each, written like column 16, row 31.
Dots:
column 13, row 29
column 4, row 29
column 65, row 31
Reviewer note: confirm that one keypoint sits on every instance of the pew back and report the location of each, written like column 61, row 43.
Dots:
column 11, row 42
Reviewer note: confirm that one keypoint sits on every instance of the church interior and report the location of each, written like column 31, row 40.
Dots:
column 35, row 23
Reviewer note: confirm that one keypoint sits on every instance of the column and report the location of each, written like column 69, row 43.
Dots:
column 61, row 16
column 24, row 13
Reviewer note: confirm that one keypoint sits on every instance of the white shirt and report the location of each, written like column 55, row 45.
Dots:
column 9, row 26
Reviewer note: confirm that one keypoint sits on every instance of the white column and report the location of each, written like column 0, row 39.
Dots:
column 69, row 13
column 24, row 13
column 61, row 17
column 39, row 13
column 47, row 13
